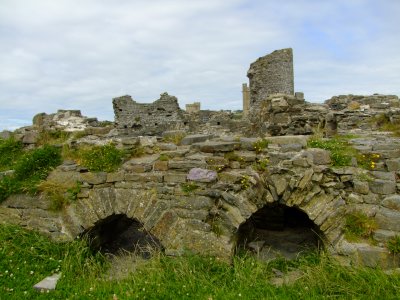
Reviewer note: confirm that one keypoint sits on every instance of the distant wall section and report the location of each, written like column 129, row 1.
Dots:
column 271, row 74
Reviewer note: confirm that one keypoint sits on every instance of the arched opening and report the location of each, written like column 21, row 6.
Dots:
column 277, row 230
column 118, row 233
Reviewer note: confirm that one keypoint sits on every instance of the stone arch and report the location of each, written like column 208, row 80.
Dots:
column 129, row 217
column 117, row 233
column 279, row 230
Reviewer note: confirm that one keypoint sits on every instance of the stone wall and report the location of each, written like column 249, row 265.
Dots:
column 271, row 74
column 193, row 107
column 198, row 199
column 281, row 114
column 147, row 118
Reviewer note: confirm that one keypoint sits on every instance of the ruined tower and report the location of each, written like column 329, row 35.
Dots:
column 271, row 74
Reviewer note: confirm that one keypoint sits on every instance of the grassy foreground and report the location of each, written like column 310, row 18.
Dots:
column 27, row 257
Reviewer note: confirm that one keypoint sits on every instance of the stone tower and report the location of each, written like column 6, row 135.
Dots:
column 271, row 74
column 246, row 99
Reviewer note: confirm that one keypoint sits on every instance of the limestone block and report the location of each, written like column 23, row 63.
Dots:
column 115, row 176
column 361, row 187
column 175, row 178
column 289, row 139
column 212, row 147
column 186, row 165
column 280, row 183
column 390, row 176
column 372, row 256
column 160, row 165
column 388, row 219
column 392, row 202
column 167, row 146
column 382, row 187
column 383, row 236
column 247, row 143
column 393, row 164
column 196, row 138
column 94, row 178
column 147, row 141
column 49, row 283
column 30, row 137
column 202, row 175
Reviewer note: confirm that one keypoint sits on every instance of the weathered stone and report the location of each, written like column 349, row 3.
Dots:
column 381, row 235
column 361, row 187
column 30, row 137
column 141, row 164
column 388, row 219
column 202, row 175
column 167, row 146
column 186, row 165
column 175, row 178
column 392, row 202
column 382, row 187
column 287, row 140
column 393, row 164
column 195, row 138
column 116, row 176
column 212, row 146
column 94, row 178
column 145, row 177
column 280, row 183
column 389, row 176
column 372, row 256
column 160, row 165
column 49, row 283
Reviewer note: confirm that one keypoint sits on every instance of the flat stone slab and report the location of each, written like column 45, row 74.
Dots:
column 289, row 139
column 49, row 283
column 202, row 175
column 212, row 147
column 195, row 138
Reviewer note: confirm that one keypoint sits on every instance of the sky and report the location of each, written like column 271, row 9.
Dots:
column 79, row 54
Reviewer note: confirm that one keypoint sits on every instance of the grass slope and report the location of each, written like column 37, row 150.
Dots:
column 27, row 257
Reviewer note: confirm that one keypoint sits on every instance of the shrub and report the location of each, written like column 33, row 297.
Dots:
column 261, row 164
column 10, row 152
column 359, row 225
column 174, row 138
column 394, row 244
column 101, row 158
column 37, row 163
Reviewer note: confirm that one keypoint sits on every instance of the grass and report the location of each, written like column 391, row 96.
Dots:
column 189, row 187
column 10, row 152
column 382, row 122
column 393, row 244
column 29, row 169
column 59, row 194
column 260, row 145
column 27, row 257
column 340, row 149
column 101, row 158
column 359, row 226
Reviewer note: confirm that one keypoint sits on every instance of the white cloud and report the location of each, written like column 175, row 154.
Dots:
column 81, row 54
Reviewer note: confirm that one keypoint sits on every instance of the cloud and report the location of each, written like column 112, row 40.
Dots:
column 81, row 54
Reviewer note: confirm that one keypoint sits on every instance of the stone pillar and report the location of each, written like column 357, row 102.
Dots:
column 246, row 99
column 271, row 74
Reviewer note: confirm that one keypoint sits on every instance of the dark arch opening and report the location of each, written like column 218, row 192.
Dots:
column 277, row 230
column 117, row 234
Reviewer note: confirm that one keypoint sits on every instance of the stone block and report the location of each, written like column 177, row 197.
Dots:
column 94, row 177
column 30, row 137
column 167, row 146
column 147, row 141
column 175, row 178
column 388, row 219
column 115, row 176
column 382, row 187
column 361, row 187
column 212, row 147
column 393, row 164
column 49, row 283
column 392, row 202
column 186, row 165
column 371, row 256
column 289, row 139
column 146, row 177
column 320, row 156
column 196, row 138
column 202, row 175
column 160, row 165
column 389, row 176
column 383, row 236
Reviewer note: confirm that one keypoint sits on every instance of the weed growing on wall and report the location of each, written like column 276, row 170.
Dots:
column 59, row 194
column 341, row 151
column 260, row 145
column 189, row 187
column 105, row 158
column 52, row 137
column 10, row 152
column 30, row 168
column 393, row 244
column 358, row 225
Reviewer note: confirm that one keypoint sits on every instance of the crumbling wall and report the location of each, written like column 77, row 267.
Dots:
column 147, row 118
column 271, row 74
column 67, row 120
column 281, row 114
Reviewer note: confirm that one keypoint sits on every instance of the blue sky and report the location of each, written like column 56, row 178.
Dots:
column 79, row 54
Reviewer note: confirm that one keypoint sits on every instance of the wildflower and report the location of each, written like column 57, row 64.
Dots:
column 31, row 272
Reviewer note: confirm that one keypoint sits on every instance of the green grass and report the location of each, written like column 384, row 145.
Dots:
column 359, row 226
column 341, row 151
column 101, row 158
column 10, row 152
column 30, row 257
column 393, row 244
column 30, row 168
